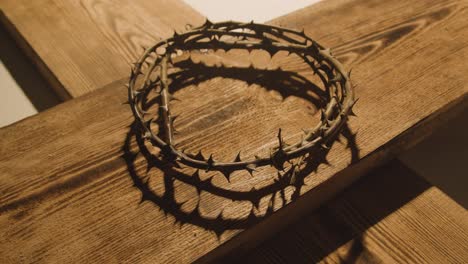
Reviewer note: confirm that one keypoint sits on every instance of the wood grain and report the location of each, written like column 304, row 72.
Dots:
column 67, row 193
column 83, row 45
column 389, row 216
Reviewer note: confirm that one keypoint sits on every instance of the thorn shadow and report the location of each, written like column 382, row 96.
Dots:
column 341, row 229
column 141, row 160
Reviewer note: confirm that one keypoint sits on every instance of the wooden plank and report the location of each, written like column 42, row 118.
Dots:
column 389, row 216
column 80, row 46
column 67, row 194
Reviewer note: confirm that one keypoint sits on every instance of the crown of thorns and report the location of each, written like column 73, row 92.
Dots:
column 248, row 36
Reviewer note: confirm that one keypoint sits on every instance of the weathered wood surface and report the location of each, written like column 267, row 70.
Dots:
column 389, row 216
column 67, row 193
column 83, row 45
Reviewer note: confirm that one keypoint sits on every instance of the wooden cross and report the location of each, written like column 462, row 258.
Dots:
column 65, row 189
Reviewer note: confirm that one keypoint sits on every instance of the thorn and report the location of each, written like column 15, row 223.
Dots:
column 146, row 183
column 208, row 181
column 252, row 216
column 351, row 112
column 144, row 197
column 220, row 216
column 207, row 23
column 271, row 51
column 325, row 146
column 280, row 140
column 292, row 175
column 355, row 101
column 196, row 175
column 204, row 184
column 270, row 209
column 210, row 160
column 250, row 168
column 214, row 38
column 279, row 175
column 173, row 118
column 238, row 157
column 135, row 70
column 302, row 140
column 199, row 156
column 218, row 233
column 256, row 202
column 179, row 205
column 227, row 174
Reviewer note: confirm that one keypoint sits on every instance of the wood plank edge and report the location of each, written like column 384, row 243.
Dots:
column 249, row 239
column 36, row 60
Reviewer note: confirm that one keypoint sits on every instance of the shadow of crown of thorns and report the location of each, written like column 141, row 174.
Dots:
column 244, row 36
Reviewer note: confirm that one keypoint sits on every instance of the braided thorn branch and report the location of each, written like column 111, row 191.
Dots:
column 249, row 36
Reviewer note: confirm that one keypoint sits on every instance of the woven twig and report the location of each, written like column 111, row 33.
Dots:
column 249, row 36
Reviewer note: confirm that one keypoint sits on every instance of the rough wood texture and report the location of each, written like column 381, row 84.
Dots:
column 83, row 45
column 67, row 194
column 388, row 216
